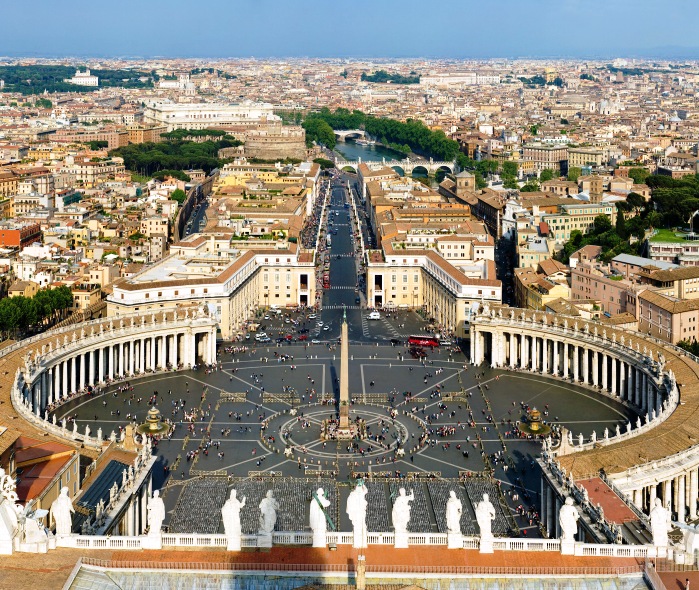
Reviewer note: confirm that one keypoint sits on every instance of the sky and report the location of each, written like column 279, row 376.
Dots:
column 458, row 29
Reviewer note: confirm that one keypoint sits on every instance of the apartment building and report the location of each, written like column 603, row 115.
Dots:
column 668, row 318
column 554, row 157
column 232, row 283
column 579, row 217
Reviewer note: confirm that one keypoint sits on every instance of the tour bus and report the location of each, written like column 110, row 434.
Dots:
column 418, row 340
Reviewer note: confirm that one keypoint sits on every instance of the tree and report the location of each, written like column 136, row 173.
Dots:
column 324, row 163
column 546, row 174
column 509, row 168
column 638, row 175
column 178, row 195
column 574, row 173
column 620, row 225
column 532, row 186
column 602, row 223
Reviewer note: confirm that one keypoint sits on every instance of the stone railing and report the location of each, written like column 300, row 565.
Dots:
column 388, row 538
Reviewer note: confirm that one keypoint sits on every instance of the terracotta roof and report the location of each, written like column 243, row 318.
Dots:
column 669, row 304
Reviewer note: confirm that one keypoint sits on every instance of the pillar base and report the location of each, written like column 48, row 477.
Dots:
column 264, row 540
column 152, row 542
column 319, row 540
column 455, row 541
column 401, row 541
column 486, row 545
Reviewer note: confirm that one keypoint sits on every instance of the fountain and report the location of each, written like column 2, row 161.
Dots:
column 534, row 425
column 153, row 426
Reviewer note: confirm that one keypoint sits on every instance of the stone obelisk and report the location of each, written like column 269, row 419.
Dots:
column 344, row 376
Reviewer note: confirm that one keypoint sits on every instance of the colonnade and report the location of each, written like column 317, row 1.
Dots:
column 123, row 352
column 562, row 355
column 620, row 366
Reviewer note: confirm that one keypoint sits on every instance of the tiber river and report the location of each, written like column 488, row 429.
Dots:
column 350, row 150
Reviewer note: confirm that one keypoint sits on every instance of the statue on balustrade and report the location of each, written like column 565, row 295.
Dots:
column 156, row 514
column 230, row 514
column 401, row 511
column 318, row 519
column 485, row 514
column 660, row 524
column 454, row 511
column 61, row 510
column 268, row 513
column 568, row 518
column 356, row 510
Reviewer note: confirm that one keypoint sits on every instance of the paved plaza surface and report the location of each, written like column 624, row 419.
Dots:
column 270, row 391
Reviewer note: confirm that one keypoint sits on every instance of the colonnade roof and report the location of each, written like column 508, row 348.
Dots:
column 677, row 433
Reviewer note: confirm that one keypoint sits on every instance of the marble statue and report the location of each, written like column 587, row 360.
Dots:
column 61, row 510
column 454, row 511
column 568, row 518
column 485, row 514
column 401, row 511
column 75, row 427
column 581, row 439
column 268, row 513
column 87, row 431
column 230, row 514
column 593, row 438
column 156, row 514
column 356, row 510
column 653, row 415
column 318, row 520
column 660, row 524
column 113, row 491
column 638, row 422
column 606, row 434
column 618, row 430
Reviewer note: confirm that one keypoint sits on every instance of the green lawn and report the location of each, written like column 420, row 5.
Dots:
column 668, row 235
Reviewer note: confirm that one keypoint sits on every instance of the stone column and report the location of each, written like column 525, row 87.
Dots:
column 612, row 387
column 101, row 364
column 132, row 356
column 152, row 353
column 73, row 371
column 605, row 372
column 653, row 494
column 667, row 495
column 595, row 368
column 566, row 362
column 90, row 367
column 576, row 363
column 513, row 349
column 693, row 493
column 525, row 352
column 637, row 386
column 644, row 391
column 535, row 353
column 637, row 497
column 142, row 354
column 622, row 379
column 83, row 360
column 162, row 360
column 111, row 351
column 58, row 392
column 64, row 366
column 121, row 364
column 555, row 370
column 586, row 366
column 544, row 355
column 682, row 498
column 51, row 392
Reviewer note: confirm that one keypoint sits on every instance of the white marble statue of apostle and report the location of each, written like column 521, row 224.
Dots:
column 230, row 514
column 61, row 510
column 568, row 518
column 156, row 514
column 660, row 524
column 318, row 520
column 485, row 514
column 454, row 511
column 268, row 513
column 356, row 510
column 401, row 511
